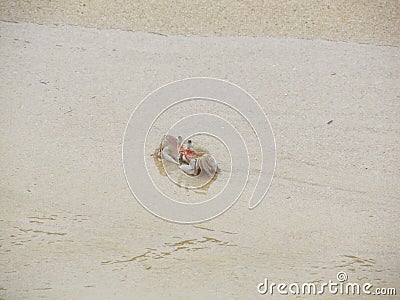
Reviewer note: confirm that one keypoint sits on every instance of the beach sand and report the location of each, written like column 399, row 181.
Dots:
column 71, row 228
column 375, row 22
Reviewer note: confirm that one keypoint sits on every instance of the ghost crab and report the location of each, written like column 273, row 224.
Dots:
column 191, row 160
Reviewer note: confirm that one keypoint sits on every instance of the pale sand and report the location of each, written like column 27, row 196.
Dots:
column 375, row 22
column 67, row 215
column 71, row 228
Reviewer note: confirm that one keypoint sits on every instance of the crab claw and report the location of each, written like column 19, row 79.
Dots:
column 169, row 149
column 168, row 157
column 191, row 168
column 205, row 164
